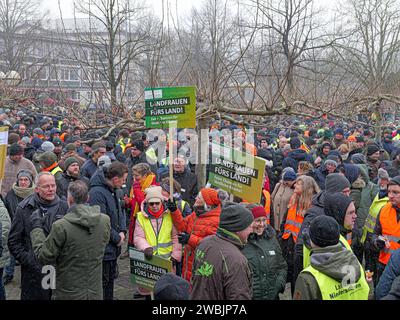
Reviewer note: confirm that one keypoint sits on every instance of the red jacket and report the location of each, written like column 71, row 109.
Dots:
column 198, row 227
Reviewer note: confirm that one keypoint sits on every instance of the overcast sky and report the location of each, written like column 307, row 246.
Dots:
column 183, row 6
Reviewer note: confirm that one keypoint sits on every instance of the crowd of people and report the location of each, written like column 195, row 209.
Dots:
column 327, row 225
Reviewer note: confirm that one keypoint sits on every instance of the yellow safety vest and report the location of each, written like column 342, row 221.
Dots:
column 55, row 170
column 307, row 256
column 374, row 210
column 162, row 241
column 122, row 144
column 332, row 289
column 151, row 153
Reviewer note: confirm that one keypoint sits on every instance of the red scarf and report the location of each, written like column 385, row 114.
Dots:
column 158, row 213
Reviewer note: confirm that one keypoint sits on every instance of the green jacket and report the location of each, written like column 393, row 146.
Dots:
column 269, row 268
column 334, row 261
column 75, row 246
column 5, row 224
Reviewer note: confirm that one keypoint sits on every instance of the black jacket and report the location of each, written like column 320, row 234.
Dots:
column 11, row 202
column 19, row 244
column 65, row 180
column 106, row 197
column 294, row 157
column 188, row 182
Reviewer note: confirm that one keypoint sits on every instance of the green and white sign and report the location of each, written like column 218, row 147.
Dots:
column 236, row 172
column 145, row 273
column 164, row 105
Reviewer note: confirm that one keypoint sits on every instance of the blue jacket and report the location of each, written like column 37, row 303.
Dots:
column 391, row 272
column 88, row 168
column 105, row 196
column 294, row 157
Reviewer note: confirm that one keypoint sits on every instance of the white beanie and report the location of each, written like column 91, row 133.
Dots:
column 154, row 193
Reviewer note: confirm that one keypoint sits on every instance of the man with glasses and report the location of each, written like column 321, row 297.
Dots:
column 44, row 203
column 90, row 166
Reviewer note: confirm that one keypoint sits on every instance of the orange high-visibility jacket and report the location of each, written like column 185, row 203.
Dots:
column 293, row 223
column 390, row 229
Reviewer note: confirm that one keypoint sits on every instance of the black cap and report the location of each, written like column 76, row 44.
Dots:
column 171, row 287
column 324, row 231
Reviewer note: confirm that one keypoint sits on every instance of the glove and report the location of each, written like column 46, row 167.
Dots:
column 148, row 253
column 37, row 219
column 171, row 205
column 379, row 243
column 183, row 238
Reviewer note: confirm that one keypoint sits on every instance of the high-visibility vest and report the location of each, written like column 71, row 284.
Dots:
column 307, row 252
column 370, row 222
column 267, row 205
column 293, row 224
column 60, row 123
column 332, row 289
column 162, row 241
column 55, row 170
column 390, row 229
column 122, row 144
column 151, row 153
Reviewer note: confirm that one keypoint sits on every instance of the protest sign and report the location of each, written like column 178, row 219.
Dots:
column 144, row 272
column 236, row 172
column 3, row 150
column 164, row 105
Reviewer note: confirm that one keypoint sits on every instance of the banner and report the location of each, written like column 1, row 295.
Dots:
column 3, row 149
column 170, row 104
column 236, row 172
column 144, row 272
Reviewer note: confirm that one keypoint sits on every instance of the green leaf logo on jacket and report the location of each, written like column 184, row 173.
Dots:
column 206, row 270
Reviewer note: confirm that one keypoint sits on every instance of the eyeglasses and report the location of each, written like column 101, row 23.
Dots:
column 151, row 204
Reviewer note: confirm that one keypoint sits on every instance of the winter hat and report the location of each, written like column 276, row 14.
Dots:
column 258, row 212
column 336, row 205
column 395, row 181
column 47, row 146
column 210, row 196
column 26, row 140
column 334, row 155
column 69, row 161
column 358, row 158
column 331, row 162
column 324, row 231
column 104, row 161
column 70, row 147
column 235, row 217
column 36, row 143
column 55, row 131
column 16, row 150
column 38, row 131
column 295, row 143
column 339, row 131
column 326, row 144
column 383, row 174
column 48, row 158
column 138, row 144
column 26, row 174
column 57, row 142
column 13, row 138
column 171, row 287
column 351, row 171
column 289, row 175
column 153, row 193
column 372, row 148
column 336, row 182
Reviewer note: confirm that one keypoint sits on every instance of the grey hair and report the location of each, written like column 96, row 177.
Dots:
column 41, row 174
column 79, row 191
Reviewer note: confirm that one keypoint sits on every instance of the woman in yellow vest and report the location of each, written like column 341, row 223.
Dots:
column 304, row 189
column 334, row 272
column 155, row 233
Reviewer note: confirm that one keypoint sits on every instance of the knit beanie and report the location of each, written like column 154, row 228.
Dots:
column 339, row 131
column 336, row 182
column 138, row 144
column 358, row 158
column 57, row 142
column 210, row 196
column 153, row 193
column 25, row 173
column 16, row 150
column 26, row 140
column 295, row 143
column 70, row 147
column 258, row 212
column 289, row 175
column 395, row 181
column 48, row 158
column 235, row 217
column 372, row 148
column 382, row 175
column 324, row 231
column 331, row 162
column 69, row 161
column 171, row 287
column 47, row 146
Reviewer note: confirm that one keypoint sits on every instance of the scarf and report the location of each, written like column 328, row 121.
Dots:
column 144, row 184
column 55, row 164
column 157, row 214
column 23, row 192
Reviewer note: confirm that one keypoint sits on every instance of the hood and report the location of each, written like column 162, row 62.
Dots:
column 336, row 205
column 319, row 199
column 336, row 262
column 98, row 179
column 364, row 172
column 351, row 172
column 298, row 154
column 84, row 216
